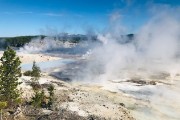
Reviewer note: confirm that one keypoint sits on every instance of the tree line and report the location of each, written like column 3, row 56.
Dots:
column 19, row 41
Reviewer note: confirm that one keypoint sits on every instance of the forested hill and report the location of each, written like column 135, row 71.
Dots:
column 20, row 41
column 17, row 41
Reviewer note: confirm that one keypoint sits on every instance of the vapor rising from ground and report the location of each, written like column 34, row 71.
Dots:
column 154, row 49
column 152, row 55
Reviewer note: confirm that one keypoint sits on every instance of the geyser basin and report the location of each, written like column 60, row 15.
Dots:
column 48, row 64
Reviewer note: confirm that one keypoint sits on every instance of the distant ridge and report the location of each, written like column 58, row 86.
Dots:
column 20, row 41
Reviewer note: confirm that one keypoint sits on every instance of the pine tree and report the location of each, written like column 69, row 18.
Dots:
column 36, row 72
column 51, row 95
column 38, row 98
column 10, row 71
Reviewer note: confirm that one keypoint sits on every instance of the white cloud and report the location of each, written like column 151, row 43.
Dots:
column 53, row 14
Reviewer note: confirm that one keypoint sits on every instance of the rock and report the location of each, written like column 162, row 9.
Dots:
column 122, row 104
column 152, row 83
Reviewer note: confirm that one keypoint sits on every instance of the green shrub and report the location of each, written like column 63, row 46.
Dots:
column 36, row 72
column 51, row 90
column 38, row 98
column 19, row 101
column 51, row 95
column 27, row 73
column 3, row 105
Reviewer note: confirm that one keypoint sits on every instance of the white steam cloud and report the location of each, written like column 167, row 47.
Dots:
column 38, row 45
column 153, row 54
column 155, row 48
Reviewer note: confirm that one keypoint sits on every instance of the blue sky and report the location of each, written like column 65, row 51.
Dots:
column 32, row 17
